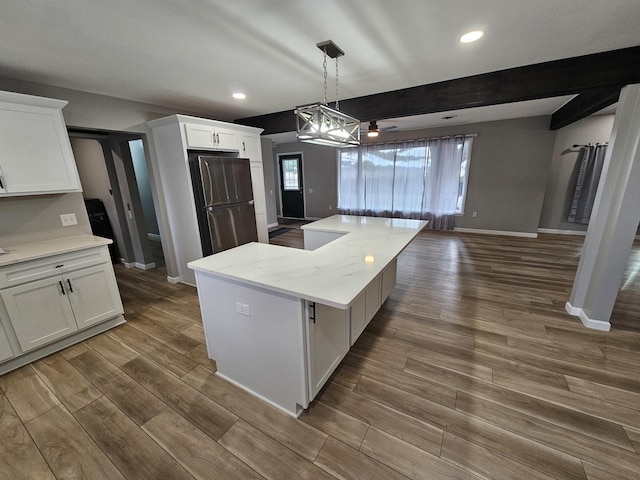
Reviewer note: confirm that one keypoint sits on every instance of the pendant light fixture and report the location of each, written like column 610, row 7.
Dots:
column 319, row 123
column 373, row 131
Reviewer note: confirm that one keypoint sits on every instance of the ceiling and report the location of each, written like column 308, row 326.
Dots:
column 191, row 55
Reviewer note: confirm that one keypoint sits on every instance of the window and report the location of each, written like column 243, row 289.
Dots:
column 412, row 179
column 290, row 174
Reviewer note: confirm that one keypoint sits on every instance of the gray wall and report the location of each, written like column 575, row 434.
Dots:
column 564, row 169
column 507, row 178
column 319, row 174
column 508, row 173
column 36, row 218
column 95, row 180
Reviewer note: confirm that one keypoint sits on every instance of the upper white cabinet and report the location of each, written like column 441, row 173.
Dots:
column 209, row 137
column 174, row 137
column 35, row 153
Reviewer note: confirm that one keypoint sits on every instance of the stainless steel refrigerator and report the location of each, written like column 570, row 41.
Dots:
column 223, row 196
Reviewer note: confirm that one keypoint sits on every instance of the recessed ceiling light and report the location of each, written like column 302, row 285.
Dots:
column 471, row 36
column 239, row 96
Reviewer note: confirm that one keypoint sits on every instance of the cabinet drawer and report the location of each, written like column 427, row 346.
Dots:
column 53, row 265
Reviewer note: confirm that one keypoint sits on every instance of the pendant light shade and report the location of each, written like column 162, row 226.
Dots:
column 373, row 131
column 319, row 123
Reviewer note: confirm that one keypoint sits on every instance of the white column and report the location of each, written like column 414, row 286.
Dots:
column 614, row 219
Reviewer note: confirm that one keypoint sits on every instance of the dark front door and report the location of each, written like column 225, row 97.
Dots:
column 291, row 185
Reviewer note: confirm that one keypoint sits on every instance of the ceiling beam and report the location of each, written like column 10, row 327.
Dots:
column 583, row 105
column 576, row 75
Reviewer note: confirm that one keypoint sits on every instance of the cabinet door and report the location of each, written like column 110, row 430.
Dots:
column 39, row 311
column 5, row 348
column 389, row 275
column 35, row 153
column 364, row 308
column 328, row 343
column 93, row 293
column 199, row 136
column 226, row 139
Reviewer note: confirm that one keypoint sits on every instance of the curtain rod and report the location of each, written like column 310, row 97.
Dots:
column 465, row 135
column 589, row 144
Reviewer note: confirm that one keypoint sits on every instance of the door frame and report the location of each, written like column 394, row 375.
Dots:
column 279, row 181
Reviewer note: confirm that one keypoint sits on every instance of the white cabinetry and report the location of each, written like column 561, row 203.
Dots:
column 35, row 153
column 5, row 347
column 208, row 137
column 367, row 304
column 51, row 298
column 327, row 342
column 173, row 137
column 250, row 148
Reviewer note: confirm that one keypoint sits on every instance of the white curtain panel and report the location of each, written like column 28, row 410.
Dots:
column 421, row 179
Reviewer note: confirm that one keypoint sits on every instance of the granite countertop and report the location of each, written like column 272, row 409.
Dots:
column 333, row 274
column 33, row 251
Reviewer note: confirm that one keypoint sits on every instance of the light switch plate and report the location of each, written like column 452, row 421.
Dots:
column 68, row 219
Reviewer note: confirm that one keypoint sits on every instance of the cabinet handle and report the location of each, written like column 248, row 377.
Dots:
column 312, row 311
column 243, row 147
column 62, row 287
column 217, row 138
column 70, row 287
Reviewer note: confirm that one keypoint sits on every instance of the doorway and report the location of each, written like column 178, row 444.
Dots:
column 112, row 169
column 291, row 185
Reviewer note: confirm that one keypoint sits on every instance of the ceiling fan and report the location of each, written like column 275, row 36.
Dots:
column 373, row 130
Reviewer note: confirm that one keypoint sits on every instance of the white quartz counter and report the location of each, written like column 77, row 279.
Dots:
column 333, row 274
column 33, row 251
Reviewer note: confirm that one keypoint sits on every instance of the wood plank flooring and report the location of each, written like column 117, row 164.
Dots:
column 471, row 370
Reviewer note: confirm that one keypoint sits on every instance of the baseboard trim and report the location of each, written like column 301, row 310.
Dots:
column 496, row 232
column 601, row 325
column 271, row 225
column 562, row 232
column 173, row 280
column 145, row 266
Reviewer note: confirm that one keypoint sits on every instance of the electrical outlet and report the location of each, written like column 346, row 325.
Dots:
column 243, row 309
column 311, row 190
column 68, row 219
column 474, row 214
column 330, row 207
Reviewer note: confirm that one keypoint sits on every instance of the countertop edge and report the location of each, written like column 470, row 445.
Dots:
column 37, row 250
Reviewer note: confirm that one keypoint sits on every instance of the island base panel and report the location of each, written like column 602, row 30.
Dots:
column 264, row 352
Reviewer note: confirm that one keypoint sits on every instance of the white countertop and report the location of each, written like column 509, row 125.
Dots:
column 33, row 251
column 333, row 274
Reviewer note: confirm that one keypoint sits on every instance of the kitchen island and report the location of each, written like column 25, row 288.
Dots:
column 279, row 320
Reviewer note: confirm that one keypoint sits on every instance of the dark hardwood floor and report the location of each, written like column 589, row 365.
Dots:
column 471, row 369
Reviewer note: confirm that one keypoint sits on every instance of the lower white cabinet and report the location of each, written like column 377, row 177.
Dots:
column 39, row 312
column 364, row 308
column 51, row 298
column 5, row 346
column 328, row 342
